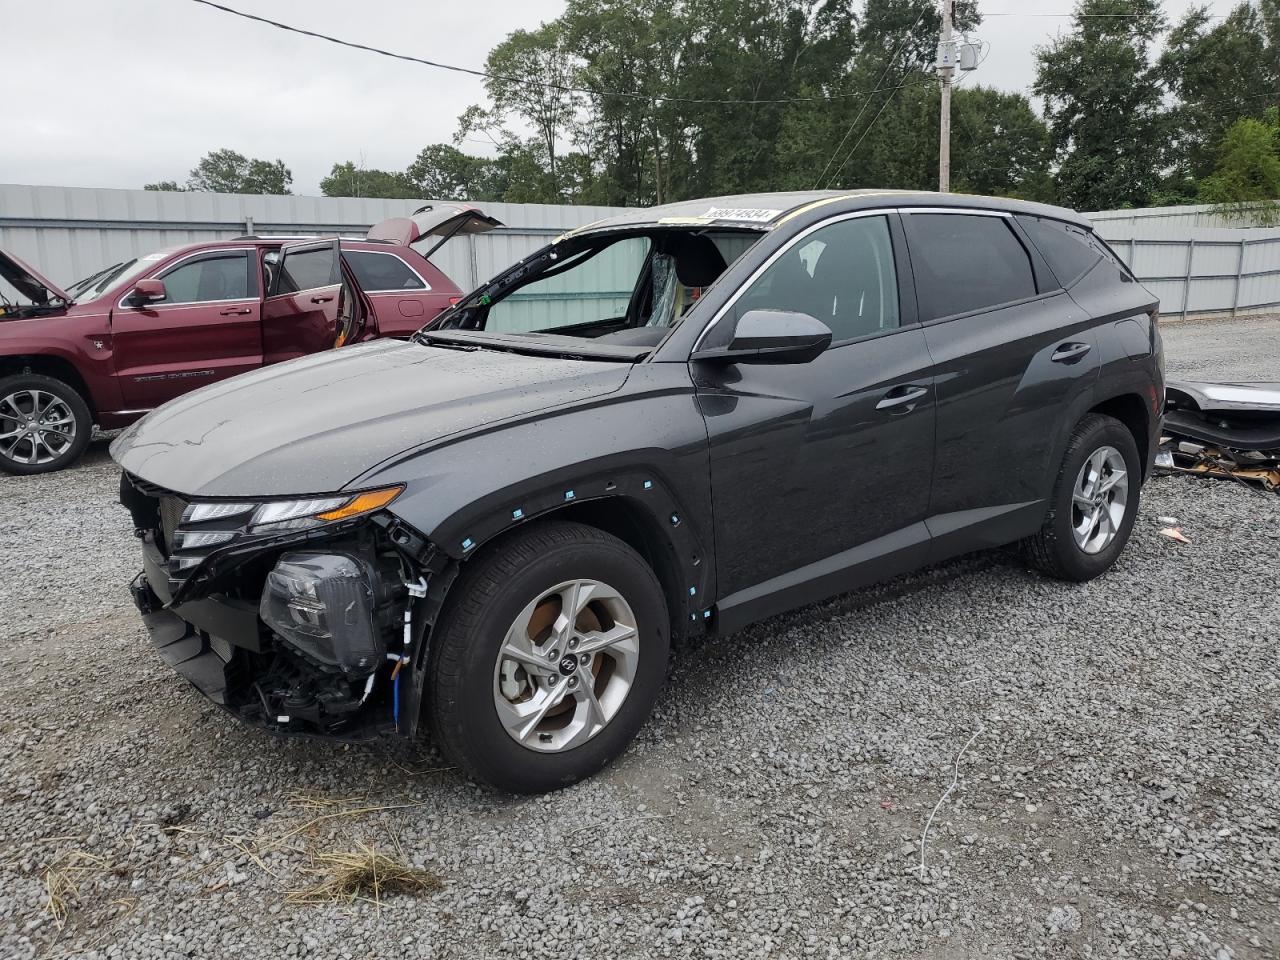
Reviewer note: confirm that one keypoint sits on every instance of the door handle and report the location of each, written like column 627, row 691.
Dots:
column 902, row 396
column 234, row 311
column 323, row 299
column 1070, row 352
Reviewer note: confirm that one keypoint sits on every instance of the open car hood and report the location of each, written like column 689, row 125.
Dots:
column 29, row 283
column 442, row 220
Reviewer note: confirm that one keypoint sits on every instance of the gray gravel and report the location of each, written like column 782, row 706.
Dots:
column 1114, row 748
column 1230, row 350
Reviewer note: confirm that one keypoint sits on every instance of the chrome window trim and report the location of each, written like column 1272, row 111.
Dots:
column 425, row 288
column 121, row 305
column 850, row 215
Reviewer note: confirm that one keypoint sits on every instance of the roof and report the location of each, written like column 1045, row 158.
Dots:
column 764, row 211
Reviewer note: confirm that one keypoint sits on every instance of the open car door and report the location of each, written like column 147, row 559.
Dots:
column 443, row 220
column 311, row 304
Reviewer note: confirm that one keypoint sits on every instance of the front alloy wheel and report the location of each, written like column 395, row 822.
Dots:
column 548, row 656
column 566, row 665
column 44, row 424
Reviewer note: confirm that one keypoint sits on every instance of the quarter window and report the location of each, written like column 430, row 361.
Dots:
column 377, row 272
column 966, row 262
column 843, row 274
column 1067, row 248
column 218, row 277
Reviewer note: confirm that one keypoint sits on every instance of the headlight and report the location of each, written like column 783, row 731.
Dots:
column 321, row 604
column 283, row 515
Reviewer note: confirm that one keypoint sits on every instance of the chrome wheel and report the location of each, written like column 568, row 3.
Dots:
column 566, row 666
column 36, row 427
column 1098, row 500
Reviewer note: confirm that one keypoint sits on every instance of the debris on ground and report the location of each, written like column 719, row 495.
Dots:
column 363, row 874
column 1174, row 533
column 1226, row 430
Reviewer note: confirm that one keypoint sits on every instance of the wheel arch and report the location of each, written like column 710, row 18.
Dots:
column 639, row 529
column 48, row 365
column 1130, row 410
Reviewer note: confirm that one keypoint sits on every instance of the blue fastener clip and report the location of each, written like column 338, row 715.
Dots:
column 517, row 513
column 706, row 614
column 648, row 484
column 468, row 543
column 693, row 591
column 568, row 494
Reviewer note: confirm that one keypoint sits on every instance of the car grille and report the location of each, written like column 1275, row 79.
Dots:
column 171, row 510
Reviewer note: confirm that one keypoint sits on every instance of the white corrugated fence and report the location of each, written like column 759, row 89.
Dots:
column 1194, row 262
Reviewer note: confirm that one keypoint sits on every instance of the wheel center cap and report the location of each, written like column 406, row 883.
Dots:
column 568, row 665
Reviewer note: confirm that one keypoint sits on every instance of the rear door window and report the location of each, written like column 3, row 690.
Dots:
column 966, row 262
column 383, row 272
column 1068, row 249
column 218, row 276
column 307, row 270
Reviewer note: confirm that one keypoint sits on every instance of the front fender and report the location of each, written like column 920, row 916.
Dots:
column 644, row 447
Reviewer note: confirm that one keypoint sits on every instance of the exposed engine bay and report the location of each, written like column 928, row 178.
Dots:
column 1226, row 430
column 301, row 626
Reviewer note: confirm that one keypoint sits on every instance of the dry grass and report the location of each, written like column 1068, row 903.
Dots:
column 362, row 874
column 63, row 878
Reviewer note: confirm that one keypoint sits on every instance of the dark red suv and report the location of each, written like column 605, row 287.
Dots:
column 139, row 333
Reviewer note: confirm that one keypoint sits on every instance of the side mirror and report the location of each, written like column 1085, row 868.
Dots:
column 772, row 336
column 147, row 291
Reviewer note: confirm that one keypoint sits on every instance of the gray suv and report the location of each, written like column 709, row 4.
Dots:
column 677, row 420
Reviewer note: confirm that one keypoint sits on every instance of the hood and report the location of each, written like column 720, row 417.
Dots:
column 442, row 220
column 29, row 283
column 315, row 424
column 1225, row 397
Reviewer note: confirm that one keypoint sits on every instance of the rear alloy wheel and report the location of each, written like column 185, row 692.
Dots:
column 548, row 657
column 44, row 424
column 1094, row 502
column 1098, row 500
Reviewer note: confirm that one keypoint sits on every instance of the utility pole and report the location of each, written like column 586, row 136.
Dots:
column 946, row 70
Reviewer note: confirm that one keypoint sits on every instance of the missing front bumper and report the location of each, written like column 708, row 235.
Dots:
column 242, row 672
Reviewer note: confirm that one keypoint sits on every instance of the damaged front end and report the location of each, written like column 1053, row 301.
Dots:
column 307, row 615
column 1227, row 430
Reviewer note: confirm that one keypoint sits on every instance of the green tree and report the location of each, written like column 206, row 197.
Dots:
column 1246, row 181
column 1104, row 104
column 226, row 171
column 990, row 124
column 349, row 180
column 1218, row 73
column 546, row 105
column 443, row 172
column 169, row 185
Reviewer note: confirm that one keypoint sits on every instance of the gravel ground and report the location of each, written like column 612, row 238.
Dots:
column 1104, row 762
column 1230, row 350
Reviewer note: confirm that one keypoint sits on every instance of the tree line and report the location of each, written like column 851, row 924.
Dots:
column 646, row 101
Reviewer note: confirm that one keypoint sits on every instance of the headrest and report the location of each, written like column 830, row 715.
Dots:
column 698, row 261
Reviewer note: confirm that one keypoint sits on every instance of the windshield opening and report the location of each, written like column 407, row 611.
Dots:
column 630, row 288
column 96, row 284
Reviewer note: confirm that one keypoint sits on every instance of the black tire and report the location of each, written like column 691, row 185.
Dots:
column 1054, row 550
column 492, row 590
column 17, row 386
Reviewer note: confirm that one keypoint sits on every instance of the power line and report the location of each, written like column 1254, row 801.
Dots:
column 861, row 110
column 530, row 81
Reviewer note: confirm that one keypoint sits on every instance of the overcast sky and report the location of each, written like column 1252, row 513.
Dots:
column 121, row 93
